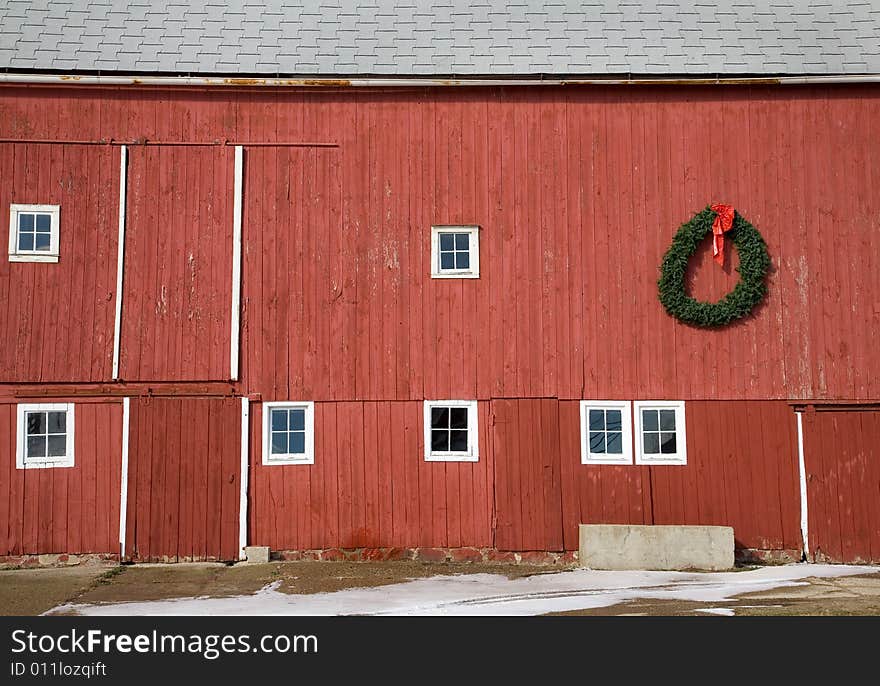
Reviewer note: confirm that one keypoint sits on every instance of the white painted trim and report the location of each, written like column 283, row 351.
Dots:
column 120, row 256
column 472, row 454
column 802, row 473
column 123, row 482
column 306, row 458
column 238, row 80
column 68, row 459
column 625, row 408
column 473, row 272
column 243, row 477
column 236, row 265
column 677, row 458
column 50, row 255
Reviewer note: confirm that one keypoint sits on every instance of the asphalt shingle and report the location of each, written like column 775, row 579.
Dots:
column 444, row 37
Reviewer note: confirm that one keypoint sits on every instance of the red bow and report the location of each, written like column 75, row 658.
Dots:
column 723, row 223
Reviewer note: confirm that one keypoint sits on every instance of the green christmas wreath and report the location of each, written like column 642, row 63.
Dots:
column 754, row 262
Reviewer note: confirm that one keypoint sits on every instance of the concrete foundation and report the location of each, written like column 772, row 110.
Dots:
column 257, row 553
column 617, row 546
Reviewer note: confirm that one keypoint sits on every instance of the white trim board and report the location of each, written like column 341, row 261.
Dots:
column 123, row 482
column 236, row 264
column 120, row 257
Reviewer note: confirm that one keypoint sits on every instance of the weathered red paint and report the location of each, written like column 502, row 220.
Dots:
column 183, row 479
column 64, row 510
column 843, row 484
column 578, row 192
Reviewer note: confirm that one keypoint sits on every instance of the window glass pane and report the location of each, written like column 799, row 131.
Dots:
column 298, row 442
column 667, row 443
column 36, row 422
column 649, row 420
column 458, row 417
column 613, row 419
column 439, row 440
column 57, row 446
column 597, row 441
column 447, row 260
column 25, row 241
column 458, row 440
column 440, row 417
column 279, row 420
column 57, row 422
column 667, row 420
column 447, row 241
column 42, row 242
column 461, row 241
column 25, row 222
column 36, row 446
column 597, row 420
column 462, row 260
column 279, row 443
column 297, row 420
column 615, row 442
column 651, row 444
column 44, row 223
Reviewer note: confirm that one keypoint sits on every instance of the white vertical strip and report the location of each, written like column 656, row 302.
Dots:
column 805, row 533
column 236, row 264
column 243, row 501
column 123, row 483
column 120, row 256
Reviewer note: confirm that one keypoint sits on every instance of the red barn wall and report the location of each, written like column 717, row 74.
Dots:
column 370, row 486
column 578, row 192
column 64, row 510
column 57, row 319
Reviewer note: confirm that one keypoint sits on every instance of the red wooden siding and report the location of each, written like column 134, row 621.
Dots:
column 183, row 479
column 741, row 472
column 370, row 485
column 178, row 254
column 64, row 510
column 578, row 192
column 842, row 461
column 528, row 491
column 57, row 319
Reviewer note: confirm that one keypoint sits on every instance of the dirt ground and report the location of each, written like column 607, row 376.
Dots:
column 33, row 591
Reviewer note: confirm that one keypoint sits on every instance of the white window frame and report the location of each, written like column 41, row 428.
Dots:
column 473, row 272
column 16, row 255
column 472, row 454
column 625, row 407
column 291, row 458
column 677, row 458
column 21, row 459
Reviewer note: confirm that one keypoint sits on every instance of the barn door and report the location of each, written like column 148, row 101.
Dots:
column 842, row 461
column 183, row 479
column 528, row 489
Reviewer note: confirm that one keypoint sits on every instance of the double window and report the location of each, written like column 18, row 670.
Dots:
column 659, row 427
column 33, row 233
column 45, row 436
column 451, row 431
column 288, row 433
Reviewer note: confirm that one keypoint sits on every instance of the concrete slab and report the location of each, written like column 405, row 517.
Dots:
column 630, row 547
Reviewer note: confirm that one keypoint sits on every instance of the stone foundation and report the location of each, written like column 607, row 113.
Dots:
column 461, row 555
column 56, row 560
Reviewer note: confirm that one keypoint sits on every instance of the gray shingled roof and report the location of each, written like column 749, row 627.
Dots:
column 451, row 37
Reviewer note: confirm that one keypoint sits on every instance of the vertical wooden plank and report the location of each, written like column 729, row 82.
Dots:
column 390, row 480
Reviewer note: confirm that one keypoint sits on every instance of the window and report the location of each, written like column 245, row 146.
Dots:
column 660, row 432
column 44, row 436
column 33, row 233
column 451, row 431
column 455, row 252
column 606, row 437
column 288, row 433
